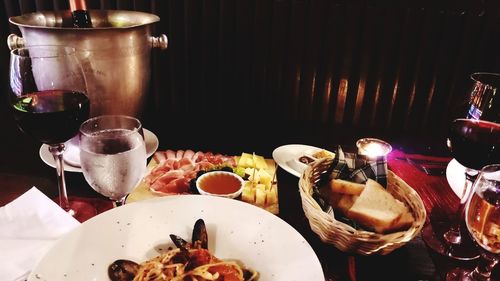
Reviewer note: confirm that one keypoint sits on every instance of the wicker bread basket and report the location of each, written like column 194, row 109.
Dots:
column 346, row 238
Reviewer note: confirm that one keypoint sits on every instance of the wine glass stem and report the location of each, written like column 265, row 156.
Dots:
column 484, row 267
column 453, row 235
column 57, row 151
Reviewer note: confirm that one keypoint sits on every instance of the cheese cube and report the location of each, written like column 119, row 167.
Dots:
column 272, row 196
column 248, row 160
column 245, row 160
column 260, row 197
column 265, row 177
column 259, row 162
column 248, row 195
column 261, row 187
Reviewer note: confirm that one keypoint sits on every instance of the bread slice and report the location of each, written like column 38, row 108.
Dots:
column 405, row 221
column 346, row 187
column 377, row 209
column 339, row 202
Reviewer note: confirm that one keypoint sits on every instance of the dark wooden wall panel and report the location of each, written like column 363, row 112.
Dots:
column 277, row 46
column 387, row 65
column 209, row 53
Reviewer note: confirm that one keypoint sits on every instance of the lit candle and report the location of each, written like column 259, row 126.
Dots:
column 373, row 148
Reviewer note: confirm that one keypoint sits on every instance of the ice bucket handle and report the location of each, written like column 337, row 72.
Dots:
column 159, row 42
column 14, row 42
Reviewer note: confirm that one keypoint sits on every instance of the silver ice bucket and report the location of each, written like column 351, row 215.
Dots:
column 117, row 48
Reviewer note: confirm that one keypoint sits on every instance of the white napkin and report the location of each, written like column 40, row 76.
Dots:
column 29, row 226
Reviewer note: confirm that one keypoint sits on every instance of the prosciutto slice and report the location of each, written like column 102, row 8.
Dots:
column 170, row 154
column 176, row 169
column 189, row 154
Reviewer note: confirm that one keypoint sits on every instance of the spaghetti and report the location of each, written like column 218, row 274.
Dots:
column 188, row 262
column 193, row 265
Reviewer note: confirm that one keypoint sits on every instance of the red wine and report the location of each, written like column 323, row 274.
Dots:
column 51, row 116
column 475, row 143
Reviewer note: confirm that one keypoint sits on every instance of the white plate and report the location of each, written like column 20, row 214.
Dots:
column 287, row 157
column 72, row 166
column 455, row 174
column 236, row 230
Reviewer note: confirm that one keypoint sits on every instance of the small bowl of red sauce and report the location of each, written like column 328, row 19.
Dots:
column 220, row 183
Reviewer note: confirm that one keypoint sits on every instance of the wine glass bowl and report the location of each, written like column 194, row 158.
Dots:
column 482, row 218
column 112, row 154
column 48, row 92
column 48, row 98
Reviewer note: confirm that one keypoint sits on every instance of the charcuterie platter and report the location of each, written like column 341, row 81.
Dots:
column 175, row 172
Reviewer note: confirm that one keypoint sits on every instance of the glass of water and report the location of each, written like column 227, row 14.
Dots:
column 113, row 154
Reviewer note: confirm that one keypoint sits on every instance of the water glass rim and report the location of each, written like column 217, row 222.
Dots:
column 491, row 168
column 87, row 131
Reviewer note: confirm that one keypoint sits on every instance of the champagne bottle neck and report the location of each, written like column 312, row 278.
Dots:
column 81, row 19
column 77, row 5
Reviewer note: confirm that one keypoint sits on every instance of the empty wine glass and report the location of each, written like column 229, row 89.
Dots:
column 112, row 154
column 482, row 217
column 48, row 97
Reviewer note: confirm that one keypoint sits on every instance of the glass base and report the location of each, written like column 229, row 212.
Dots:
column 83, row 209
column 433, row 238
column 459, row 274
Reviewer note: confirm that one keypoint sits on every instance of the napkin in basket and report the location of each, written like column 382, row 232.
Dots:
column 358, row 168
column 29, row 226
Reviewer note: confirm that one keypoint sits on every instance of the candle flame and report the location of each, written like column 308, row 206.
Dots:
column 374, row 150
column 373, row 147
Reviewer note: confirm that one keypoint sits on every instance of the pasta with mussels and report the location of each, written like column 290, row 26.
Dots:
column 188, row 262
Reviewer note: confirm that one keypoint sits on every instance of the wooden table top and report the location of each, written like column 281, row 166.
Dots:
column 21, row 169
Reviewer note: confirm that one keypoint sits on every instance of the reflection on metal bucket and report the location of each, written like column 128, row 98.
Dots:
column 120, row 89
column 117, row 57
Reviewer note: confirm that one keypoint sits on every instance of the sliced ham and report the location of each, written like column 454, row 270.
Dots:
column 170, row 154
column 172, row 174
column 189, row 154
column 198, row 156
column 186, row 164
column 167, row 178
column 174, row 186
column 160, row 169
column 179, row 154
column 204, row 165
column 159, row 156
column 177, row 168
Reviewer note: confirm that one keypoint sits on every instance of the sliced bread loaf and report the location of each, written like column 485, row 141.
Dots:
column 346, row 187
column 377, row 209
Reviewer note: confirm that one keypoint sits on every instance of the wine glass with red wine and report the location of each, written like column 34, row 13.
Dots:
column 48, row 98
column 482, row 217
column 474, row 142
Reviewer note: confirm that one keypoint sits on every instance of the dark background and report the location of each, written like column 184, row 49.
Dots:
column 268, row 72
column 258, row 74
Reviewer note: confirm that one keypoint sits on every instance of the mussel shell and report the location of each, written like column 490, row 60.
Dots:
column 200, row 234
column 122, row 270
column 179, row 242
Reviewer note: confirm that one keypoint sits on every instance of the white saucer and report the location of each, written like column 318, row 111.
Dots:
column 287, row 157
column 71, row 166
column 455, row 174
